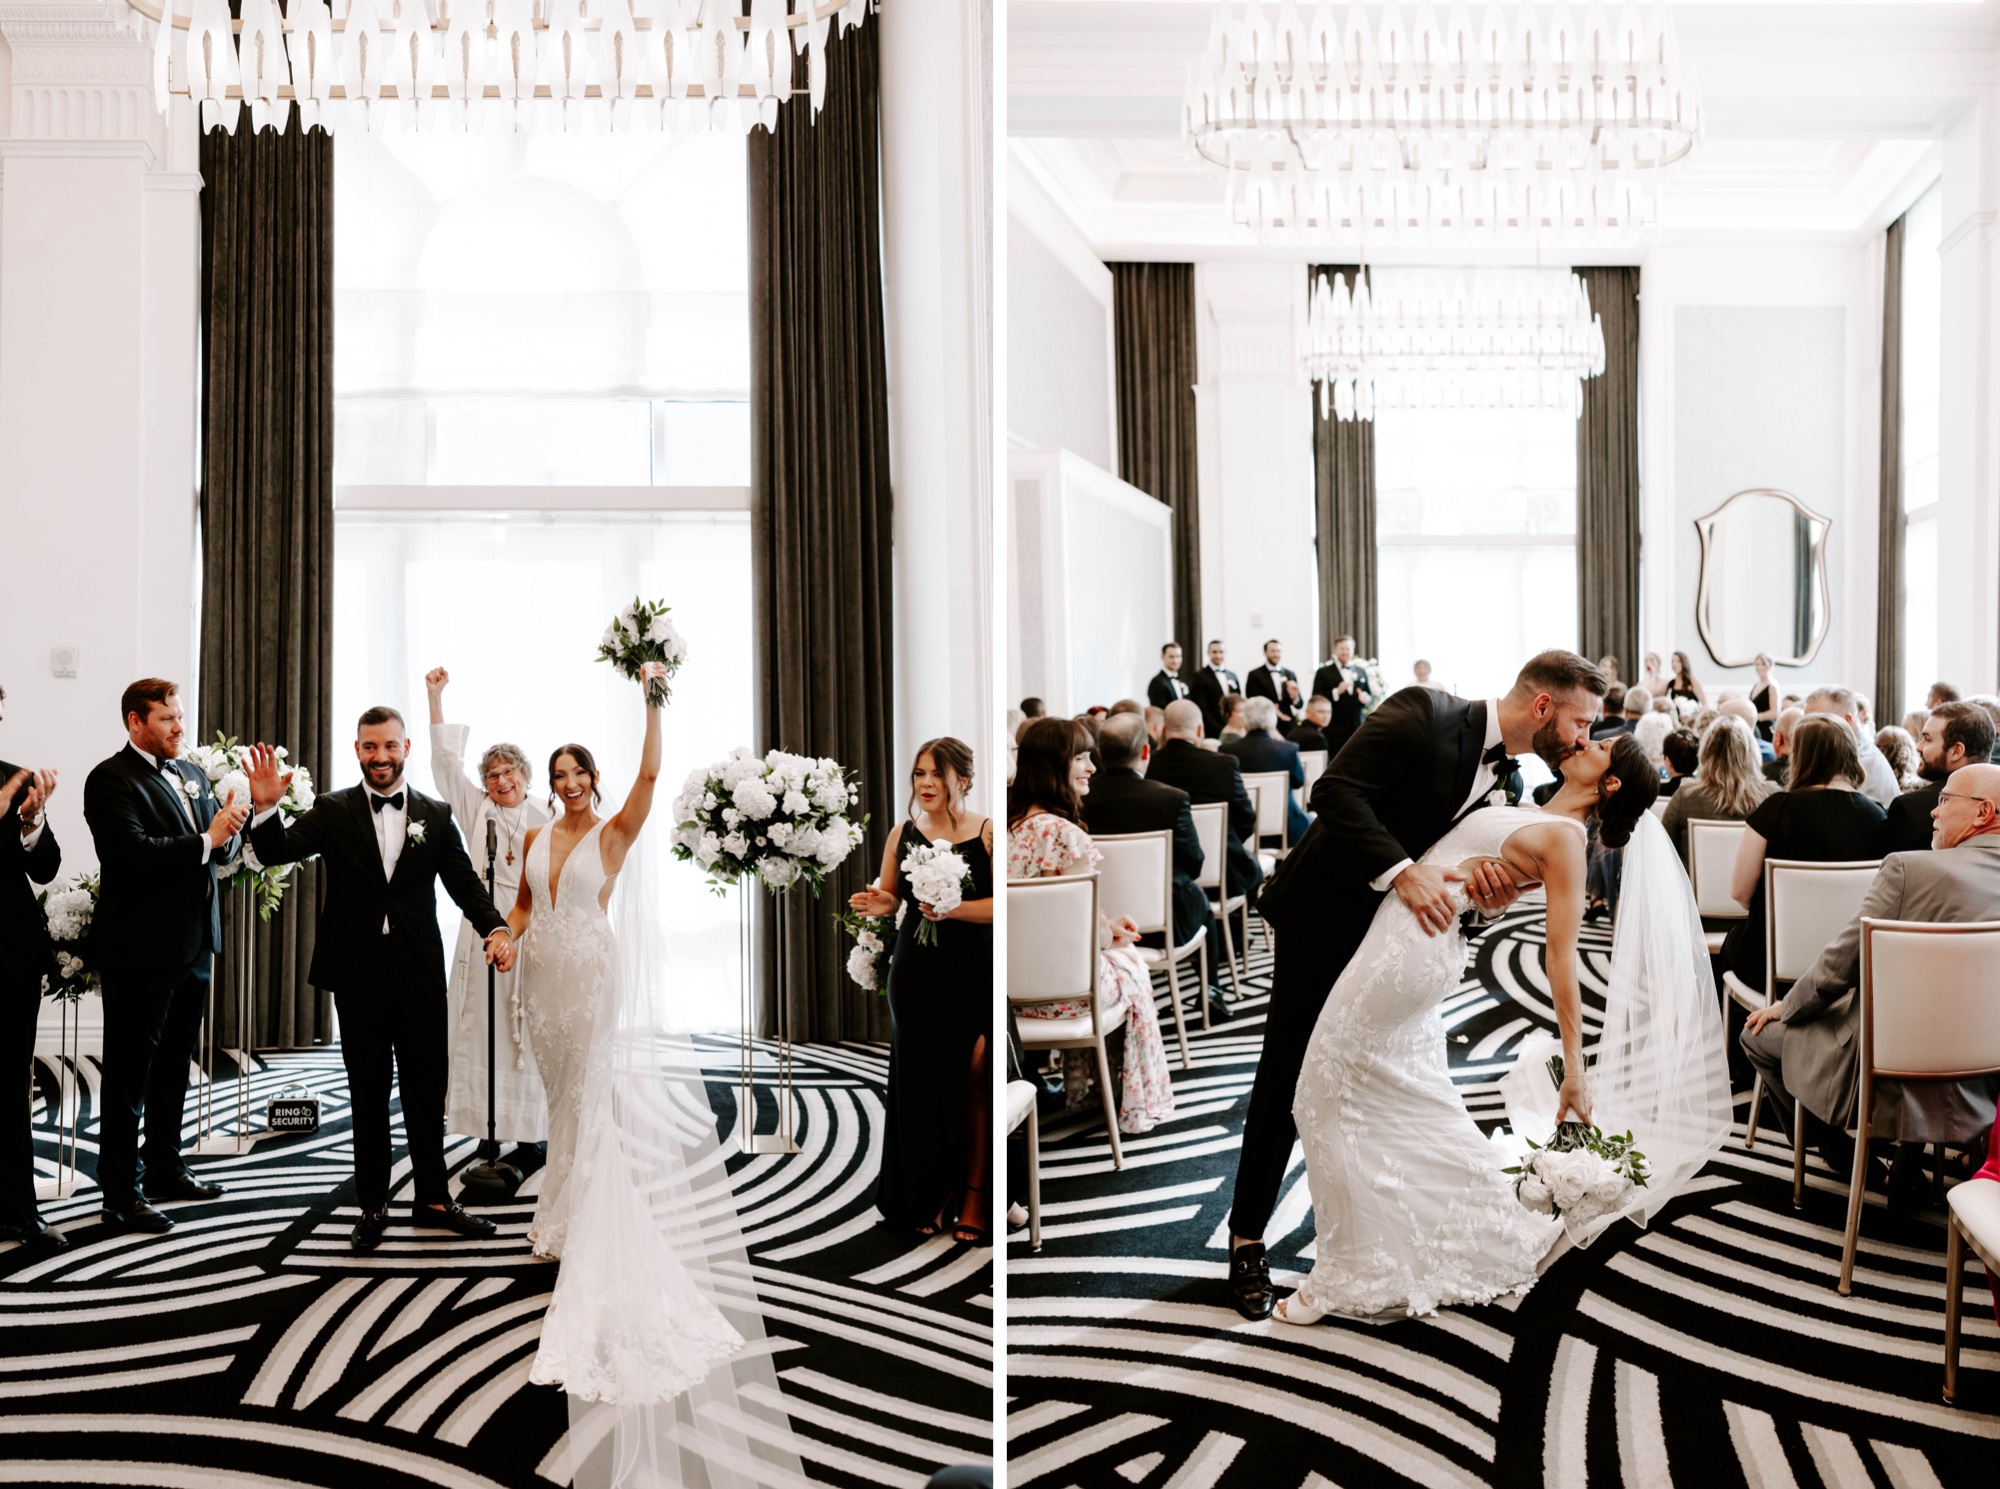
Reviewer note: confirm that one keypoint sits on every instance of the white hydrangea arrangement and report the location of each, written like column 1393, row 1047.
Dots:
column 779, row 817
column 939, row 878
column 1580, row 1173
column 222, row 762
column 874, row 943
column 69, row 906
column 1378, row 688
column 640, row 633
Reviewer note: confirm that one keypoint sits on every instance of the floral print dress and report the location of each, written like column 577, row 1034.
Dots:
column 1043, row 845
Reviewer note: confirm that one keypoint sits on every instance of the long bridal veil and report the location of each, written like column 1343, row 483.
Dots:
column 1661, row 1068
column 654, row 1331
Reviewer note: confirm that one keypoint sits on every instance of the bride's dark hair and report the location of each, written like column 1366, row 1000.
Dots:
column 1618, row 812
column 585, row 761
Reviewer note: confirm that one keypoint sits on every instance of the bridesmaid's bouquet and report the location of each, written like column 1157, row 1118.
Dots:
column 780, row 818
column 642, row 633
column 1580, row 1173
column 939, row 878
column 223, row 764
column 69, row 906
column 874, row 938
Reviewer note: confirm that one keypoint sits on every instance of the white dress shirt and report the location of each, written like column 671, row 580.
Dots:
column 180, row 795
column 1483, row 777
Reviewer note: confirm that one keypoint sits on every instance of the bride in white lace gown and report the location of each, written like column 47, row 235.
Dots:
column 635, row 1198
column 1411, row 1209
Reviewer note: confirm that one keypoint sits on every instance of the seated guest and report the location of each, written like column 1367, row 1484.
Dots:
column 1941, row 692
column 1208, row 777
column 1822, row 818
column 1899, row 748
column 1311, row 735
column 1346, row 687
column 1807, row 1044
column 1233, row 725
column 1913, row 722
column 1992, row 707
column 1168, row 686
column 1614, row 700
column 1778, row 768
column 1652, row 732
column 1954, row 735
column 1740, row 708
column 1634, row 705
column 1422, row 673
column 1021, row 729
column 1864, row 714
column 1262, row 750
column 1678, row 752
column 1122, row 800
column 1032, row 708
column 1045, row 837
column 1156, row 720
column 1727, row 785
column 1878, row 781
column 1125, row 705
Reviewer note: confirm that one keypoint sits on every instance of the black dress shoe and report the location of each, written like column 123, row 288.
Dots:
column 1218, row 1007
column 183, row 1185
column 368, row 1232
column 37, row 1237
column 136, row 1214
column 453, row 1218
column 1250, row 1281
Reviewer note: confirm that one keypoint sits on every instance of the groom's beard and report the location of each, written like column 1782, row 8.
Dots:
column 377, row 781
column 1550, row 747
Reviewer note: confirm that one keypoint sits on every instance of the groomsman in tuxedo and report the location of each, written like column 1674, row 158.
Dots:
column 385, row 847
column 1346, row 687
column 160, row 834
column 1167, row 685
column 1209, row 776
column 1955, row 735
column 1277, row 682
column 1420, row 762
column 1210, row 686
column 28, row 856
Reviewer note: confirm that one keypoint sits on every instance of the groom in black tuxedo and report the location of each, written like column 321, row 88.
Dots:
column 159, row 833
column 385, row 847
column 1416, row 765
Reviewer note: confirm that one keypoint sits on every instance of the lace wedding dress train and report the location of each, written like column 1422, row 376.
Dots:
column 1410, row 1206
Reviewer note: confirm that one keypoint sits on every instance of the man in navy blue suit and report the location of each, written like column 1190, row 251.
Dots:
column 1262, row 750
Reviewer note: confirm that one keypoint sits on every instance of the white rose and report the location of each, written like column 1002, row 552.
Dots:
column 781, row 834
column 1534, row 1193
column 1568, row 1178
column 610, row 638
column 833, row 850
column 1609, row 1187
column 731, row 817
column 830, row 797
column 234, row 787
column 754, row 800
column 861, row 966
column 805, row 842
column 797, row 803
column 778, row 871
column 735, row 845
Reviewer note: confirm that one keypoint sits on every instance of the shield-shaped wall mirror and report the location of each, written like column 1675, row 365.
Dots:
column 1763, row 579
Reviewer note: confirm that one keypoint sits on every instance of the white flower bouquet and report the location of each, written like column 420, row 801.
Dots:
column 1580, row 1173
column 939, row 878
column 1378, row 690
column 780, row 817
column 69, row 906
column 222, row 763
column 640, row 633
column 874, row 943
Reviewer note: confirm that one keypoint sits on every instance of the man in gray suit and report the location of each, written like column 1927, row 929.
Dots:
column 1808, row 1044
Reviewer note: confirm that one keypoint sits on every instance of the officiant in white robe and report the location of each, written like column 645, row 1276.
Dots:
column 520, row 1108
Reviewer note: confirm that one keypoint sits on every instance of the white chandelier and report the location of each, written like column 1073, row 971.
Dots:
column 526, row 65
column 1505, row 128
column 1457, row 350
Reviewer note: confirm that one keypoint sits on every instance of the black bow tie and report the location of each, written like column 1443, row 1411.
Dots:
column 379, row 802
column 1503, row 763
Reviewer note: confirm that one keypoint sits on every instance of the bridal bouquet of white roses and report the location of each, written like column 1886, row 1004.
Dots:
column 780, row 817
column 640, row 633
column 1580, row 1173
column 69, row 905
column 874, row 943
column 939, row 878
column 222, row 762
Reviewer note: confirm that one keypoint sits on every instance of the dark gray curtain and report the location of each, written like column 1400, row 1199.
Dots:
column 1889, row 541
column 820, row 503
column 267, row 511
column 1344, row 513
column 1607, row 477
column 1154, row 333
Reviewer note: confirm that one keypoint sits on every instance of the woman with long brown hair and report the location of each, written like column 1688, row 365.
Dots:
column 938, row 1109
column 1728, row 783
column 1046, row 836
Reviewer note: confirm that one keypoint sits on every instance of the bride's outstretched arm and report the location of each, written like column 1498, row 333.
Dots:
column 620, row 831
column 1563, row 872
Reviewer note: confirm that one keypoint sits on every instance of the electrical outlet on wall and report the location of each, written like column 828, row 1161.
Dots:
column 65, row 660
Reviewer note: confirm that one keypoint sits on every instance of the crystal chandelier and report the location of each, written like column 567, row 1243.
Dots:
column 1506, row 129
column 1457, row 350
column 527, row 65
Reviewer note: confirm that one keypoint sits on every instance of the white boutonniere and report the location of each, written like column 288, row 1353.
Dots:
column 1496, row 797
column 190, row 789
column 415, row 832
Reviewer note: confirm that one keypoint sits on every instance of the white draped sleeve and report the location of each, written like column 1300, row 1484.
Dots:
column 454, row 783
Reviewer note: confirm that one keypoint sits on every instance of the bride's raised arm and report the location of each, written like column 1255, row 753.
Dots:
column 623, row 827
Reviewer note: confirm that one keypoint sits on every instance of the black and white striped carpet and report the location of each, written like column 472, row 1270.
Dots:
column 1711, row 1350
column 251, row 1347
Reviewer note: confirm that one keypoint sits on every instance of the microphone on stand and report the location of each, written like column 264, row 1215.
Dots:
column 489, row 1181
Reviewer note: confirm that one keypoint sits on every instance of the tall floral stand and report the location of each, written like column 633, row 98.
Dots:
column 218, row 1132
column 785, row 1138
column 69, row 1101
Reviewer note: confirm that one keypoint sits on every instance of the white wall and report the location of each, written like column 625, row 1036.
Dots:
column 1061, row 357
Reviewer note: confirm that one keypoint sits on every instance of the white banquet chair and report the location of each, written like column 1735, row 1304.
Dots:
column 1136, row 878
column 1052, row 957
column 1211, row 825
column 1711, row 856
column 1021, row 1109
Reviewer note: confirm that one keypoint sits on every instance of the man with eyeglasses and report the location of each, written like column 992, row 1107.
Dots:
column 1807, row 1045
column 500, row 794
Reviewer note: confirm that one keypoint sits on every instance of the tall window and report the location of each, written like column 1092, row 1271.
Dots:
column 541, row 385
column 1923, row 320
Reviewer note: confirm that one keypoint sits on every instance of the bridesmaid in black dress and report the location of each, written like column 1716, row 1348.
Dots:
column 938, row 1112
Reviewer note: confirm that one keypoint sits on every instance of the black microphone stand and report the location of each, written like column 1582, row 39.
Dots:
column 489, row 1181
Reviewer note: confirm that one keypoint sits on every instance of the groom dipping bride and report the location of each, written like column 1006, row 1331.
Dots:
column 1411, row 1208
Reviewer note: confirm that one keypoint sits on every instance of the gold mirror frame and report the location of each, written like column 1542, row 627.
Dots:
column 1817, row 530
